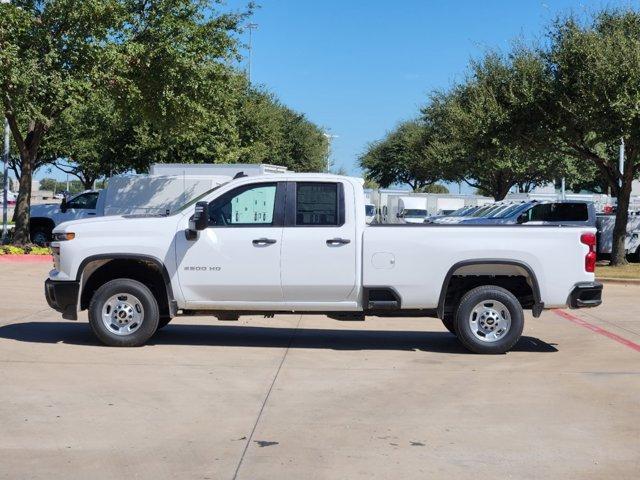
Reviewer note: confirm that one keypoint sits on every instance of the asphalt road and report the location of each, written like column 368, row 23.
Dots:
column 308, row 397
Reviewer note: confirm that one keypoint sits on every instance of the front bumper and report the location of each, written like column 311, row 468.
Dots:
column 585, row 295
column 63, row 297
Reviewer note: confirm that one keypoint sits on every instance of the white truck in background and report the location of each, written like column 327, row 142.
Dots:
column 165, row 188
column 407, row 209
column 299, row 243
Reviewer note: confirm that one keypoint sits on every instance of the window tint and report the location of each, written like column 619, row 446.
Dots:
column 248, row 205
column 317, row 204
column 558, row 212
column 86, row 201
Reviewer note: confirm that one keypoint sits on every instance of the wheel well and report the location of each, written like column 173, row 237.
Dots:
column 41, row 222
column 99, row 272
column 517, row 279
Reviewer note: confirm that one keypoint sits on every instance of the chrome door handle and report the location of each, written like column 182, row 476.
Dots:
column 263, row 241
column 338, row 241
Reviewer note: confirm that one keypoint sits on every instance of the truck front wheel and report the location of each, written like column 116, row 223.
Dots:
column 123, row 313
column 489, row 319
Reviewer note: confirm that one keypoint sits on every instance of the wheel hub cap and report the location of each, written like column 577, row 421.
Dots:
column 490, row 320
column 122, row 314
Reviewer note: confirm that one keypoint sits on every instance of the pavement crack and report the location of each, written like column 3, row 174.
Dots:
column 264, row 403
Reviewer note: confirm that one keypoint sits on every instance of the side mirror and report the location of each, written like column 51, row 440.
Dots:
column 398, row 215
column 200, row 220
column 522, row 218
column 63, row 205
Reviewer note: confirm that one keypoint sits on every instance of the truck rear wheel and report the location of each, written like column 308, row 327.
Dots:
column 489, row 319
column 123, row 313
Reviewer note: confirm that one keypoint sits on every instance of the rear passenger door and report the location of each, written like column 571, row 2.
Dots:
column 318, row 245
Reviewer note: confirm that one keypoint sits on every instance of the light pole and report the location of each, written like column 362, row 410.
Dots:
column 329, row 137
column 251, row 27
column 5, row 171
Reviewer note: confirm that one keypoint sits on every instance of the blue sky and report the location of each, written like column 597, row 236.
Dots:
column 358, row 67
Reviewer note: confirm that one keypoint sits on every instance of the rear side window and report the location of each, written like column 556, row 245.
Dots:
column 316, row 204
column 558, row 212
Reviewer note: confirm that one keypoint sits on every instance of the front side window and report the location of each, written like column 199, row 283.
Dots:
column 245, row 206
column 316, row 204
column 84, row 201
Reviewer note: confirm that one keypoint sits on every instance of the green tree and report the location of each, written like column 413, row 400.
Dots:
column 434, row 188
column 482, row 126
column 48, row 184
column 270, row 132
column 593, row 101
column 405, row 155
column 153, row 57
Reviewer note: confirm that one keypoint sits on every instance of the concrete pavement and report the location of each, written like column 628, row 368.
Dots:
column 305, row 396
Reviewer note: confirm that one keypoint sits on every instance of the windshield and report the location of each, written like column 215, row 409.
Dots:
column 481, row 211
column 463, row 212
column 369, row 210
column 198, row 198
column 415, row 213
column 507, row 212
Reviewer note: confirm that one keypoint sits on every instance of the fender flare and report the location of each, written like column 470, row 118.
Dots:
column 538, row 305
column 130, row 256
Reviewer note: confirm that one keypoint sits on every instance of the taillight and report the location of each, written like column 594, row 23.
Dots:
column 589, row 239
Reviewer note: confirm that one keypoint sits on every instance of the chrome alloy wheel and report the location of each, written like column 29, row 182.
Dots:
column 490, row 320
column 122, row 314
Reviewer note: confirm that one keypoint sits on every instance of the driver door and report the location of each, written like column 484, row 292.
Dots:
column 235, row 262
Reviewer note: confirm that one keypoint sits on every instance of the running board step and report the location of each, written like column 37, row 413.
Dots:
column 383, row 304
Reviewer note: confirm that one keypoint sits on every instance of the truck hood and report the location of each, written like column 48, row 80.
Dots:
column 44, row 209
column 126, row 220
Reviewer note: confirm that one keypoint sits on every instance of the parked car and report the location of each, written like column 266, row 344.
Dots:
column 299, row 243
column 565, row 212
column 44, row 217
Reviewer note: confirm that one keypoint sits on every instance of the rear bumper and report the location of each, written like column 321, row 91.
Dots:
column 63, row 297
column 585, row 295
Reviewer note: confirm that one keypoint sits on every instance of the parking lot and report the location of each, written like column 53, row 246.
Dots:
column 303, row 396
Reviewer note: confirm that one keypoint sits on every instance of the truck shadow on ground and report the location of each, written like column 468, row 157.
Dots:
column 271, row 337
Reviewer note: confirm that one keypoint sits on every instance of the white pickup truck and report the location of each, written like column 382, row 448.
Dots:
column 300, row 243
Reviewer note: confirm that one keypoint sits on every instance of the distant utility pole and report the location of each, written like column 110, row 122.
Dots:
column 621, row 160
column 251, row 27
column 329, row 137
column 5, row 171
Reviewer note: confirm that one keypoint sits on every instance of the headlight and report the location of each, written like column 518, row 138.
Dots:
column 62, row 236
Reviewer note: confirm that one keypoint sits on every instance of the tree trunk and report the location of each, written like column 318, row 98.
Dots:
column 21, row 235
column 28, row 148
column 618, row 251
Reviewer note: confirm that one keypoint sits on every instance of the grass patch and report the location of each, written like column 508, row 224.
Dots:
column 628, row 271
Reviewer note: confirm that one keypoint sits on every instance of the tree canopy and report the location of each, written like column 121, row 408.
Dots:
column 107, row 86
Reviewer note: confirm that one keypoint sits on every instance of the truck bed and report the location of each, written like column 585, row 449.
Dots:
column 416, row 259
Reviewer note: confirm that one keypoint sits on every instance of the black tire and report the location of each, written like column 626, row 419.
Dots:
column 40, row 235
column 163, row 322
column 449, row 322
column 149, row 317
column 466, row 306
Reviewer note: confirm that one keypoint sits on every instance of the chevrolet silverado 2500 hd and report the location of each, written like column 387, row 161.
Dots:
column 300, row 243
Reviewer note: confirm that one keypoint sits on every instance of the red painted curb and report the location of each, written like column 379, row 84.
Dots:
column 598, row 330
column 26, row 258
